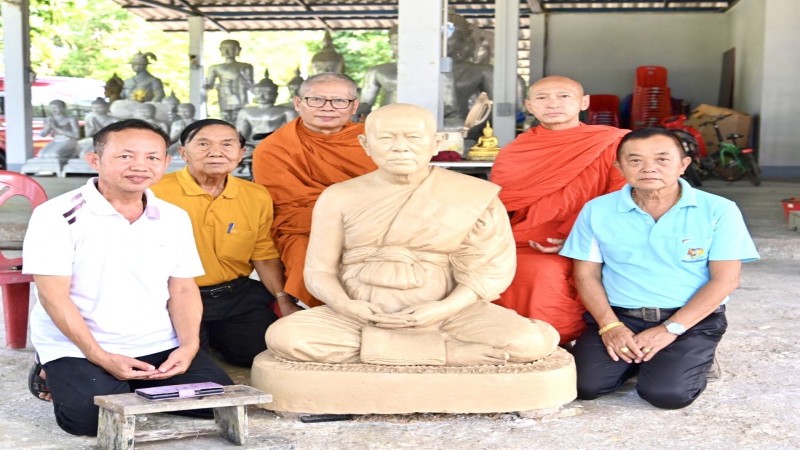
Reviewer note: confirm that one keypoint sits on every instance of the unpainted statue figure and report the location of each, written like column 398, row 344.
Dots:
column 232, row 79
column 327, row 59
column 143, row 87
column 380, row 79
column 65, row 132
column 186, row 115
column 94, row 121
column 147, row 112
column 255, row 121
column 408, row 260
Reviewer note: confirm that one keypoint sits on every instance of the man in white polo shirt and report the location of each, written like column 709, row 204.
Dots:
column 114, row 267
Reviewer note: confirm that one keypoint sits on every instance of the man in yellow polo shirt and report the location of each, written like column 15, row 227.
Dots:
column 231, row 219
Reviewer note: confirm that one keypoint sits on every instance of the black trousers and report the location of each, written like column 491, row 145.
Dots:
column 74, row 382
column 673, row 379
column 235, row 319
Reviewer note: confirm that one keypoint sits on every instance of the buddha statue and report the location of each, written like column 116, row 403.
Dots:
column 253, row 122
column 380, row 79
column 327, row 59
column 487, row 146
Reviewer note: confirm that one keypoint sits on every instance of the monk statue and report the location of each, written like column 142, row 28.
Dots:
column 407, row 260
column 143, row 86
column 94, row 121
column 185, row 116
column 113, row 88
column 487, row 146
column 327, row 59
column 381, row 79
column 64, row 130
column 253, row 122
column 235, row 79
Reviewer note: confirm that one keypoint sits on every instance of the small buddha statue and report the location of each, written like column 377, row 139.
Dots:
column 487, row 146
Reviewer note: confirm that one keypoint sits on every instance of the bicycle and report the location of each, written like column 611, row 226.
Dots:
column 730, row 162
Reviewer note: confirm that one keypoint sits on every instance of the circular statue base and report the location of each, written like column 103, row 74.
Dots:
column 316, row 388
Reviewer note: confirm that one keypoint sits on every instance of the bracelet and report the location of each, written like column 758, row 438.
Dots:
column 280, row 294
column 608, row 327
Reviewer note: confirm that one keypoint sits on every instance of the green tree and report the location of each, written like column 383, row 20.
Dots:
column 360, row 49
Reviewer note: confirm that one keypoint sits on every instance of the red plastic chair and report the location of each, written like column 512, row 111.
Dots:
column 16, row 286
column 603, row 110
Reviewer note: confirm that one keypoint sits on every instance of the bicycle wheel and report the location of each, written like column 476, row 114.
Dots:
column 732, row 171
column 752, row 169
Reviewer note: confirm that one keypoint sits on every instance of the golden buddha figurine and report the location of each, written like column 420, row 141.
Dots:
column 487, row 146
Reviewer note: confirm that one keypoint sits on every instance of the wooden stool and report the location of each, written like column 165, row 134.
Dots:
column 117, row 421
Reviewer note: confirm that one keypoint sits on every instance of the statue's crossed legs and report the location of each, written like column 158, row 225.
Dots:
column 481, row 334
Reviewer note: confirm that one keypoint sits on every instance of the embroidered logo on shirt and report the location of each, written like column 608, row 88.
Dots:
column 695, row 255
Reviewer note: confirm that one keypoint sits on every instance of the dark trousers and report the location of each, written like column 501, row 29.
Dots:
column 673, row 379
column 74, row 382
column 235, row 319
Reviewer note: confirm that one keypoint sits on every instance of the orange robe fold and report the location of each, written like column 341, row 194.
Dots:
column 296, row 164
column 546, row 178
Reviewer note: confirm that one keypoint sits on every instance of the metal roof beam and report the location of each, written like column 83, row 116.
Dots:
column 189, row 10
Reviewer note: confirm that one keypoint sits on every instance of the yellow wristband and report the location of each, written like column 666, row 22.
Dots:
column 608, row 327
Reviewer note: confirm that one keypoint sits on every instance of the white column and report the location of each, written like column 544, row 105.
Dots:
column 506, row 32
column 419, row 63
column 16, row 57
column 538, row 30
column 197, row 95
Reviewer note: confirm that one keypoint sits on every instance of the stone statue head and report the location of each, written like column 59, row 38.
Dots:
column 230, row 48
column 265, row 92
column 146, row 111
column 327, row 59
column 140, row 60
column 186, row 111
column 401, row 138
column 57, row 107
column 294, row 84
column 100, row 106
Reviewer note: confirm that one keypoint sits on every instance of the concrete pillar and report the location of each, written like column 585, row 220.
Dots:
column 538, row 37
column 197, row 94
column 506, row 32
column 16, row 57
column 419, row 63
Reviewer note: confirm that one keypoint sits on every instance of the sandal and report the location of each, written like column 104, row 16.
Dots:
column 36, row 384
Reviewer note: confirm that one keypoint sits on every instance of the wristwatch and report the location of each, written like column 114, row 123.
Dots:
column 674, row 328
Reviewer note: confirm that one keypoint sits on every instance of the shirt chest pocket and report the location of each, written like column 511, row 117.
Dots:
column 237, row 245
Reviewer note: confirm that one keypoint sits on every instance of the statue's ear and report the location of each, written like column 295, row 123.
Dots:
column 362, row 139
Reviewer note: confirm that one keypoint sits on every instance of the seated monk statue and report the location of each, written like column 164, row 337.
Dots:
column 253, row 122
column 408, row 259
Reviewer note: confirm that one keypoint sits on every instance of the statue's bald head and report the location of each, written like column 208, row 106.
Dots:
column 399, row 112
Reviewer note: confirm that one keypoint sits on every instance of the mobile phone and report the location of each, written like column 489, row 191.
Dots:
column 181, row 391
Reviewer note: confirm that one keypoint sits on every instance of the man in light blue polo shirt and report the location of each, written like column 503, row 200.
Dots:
column 654, row 264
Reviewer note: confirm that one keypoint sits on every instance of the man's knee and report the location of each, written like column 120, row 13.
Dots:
column 668, row 396
column 590, row 387
column 79, row 419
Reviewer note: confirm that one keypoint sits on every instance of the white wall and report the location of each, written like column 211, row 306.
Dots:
column 780, row 99
column 602, row 50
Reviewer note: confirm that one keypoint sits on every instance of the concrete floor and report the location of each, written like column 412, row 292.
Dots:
column 753, row 405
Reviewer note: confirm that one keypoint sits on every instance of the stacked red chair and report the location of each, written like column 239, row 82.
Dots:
column 651, row 97
column 603, row 110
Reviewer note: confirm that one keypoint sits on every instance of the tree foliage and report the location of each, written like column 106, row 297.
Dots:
column 360, row 49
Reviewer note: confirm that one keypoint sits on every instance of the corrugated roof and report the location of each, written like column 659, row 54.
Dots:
column 265, row 15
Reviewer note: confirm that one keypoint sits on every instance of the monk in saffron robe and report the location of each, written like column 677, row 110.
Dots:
column 546, row 175
column 407, row 260
column 299, row 160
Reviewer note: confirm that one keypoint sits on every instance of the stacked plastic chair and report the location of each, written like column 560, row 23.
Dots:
column 603, row 110
column 651, row 97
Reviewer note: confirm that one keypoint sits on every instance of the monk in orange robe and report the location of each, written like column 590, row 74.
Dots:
column 547, row 174
column 299, row 160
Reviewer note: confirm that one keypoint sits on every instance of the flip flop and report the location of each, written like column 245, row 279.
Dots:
column 36, row 384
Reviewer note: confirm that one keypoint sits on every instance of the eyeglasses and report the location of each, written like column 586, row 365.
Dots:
column 336, row 103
